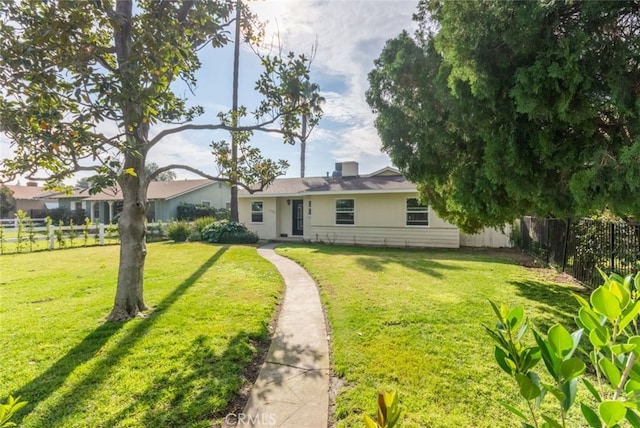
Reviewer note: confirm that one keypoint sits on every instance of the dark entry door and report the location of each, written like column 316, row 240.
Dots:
column 298, row 225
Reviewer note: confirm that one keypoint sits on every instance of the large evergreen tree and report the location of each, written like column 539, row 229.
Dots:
column 66, row 67
column 501, row 109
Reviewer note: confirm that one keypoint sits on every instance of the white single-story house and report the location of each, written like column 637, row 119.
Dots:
column 164, row 198
column 380, row 209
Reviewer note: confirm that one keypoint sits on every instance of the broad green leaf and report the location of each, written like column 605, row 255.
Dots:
column 583, row 302
column 550, row 422
column 503, row 360
column 571, row 368
column 636, row 341
column 610, row 371
column 515, row 317
column 560, row 340
column 629, row 314
column 602, row 274
column 548, row 355
column 530, row 358
column 591, row 416
column 599, row 337
column 618, row 290
column 589, row 320
column 612, row 412
column 623, row 348
column 570, row 388
column 528, row 389
column 559, row 395
column 592, row 389
column 632, row 386
column 500, row 312
column 370, row 423
column 606, row 303
column 632, row 417
column 513, row 410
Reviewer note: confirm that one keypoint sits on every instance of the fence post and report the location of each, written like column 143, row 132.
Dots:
column 566, row 245
column 52, row 239
column 101, row 233
column 612, row 243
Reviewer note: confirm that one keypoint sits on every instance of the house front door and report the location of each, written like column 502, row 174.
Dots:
column 298, row 214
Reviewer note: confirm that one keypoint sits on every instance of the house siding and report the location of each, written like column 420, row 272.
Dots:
column 218, row 194
column 380, row 220
column 488, row 237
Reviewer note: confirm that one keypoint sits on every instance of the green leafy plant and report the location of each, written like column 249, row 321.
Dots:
column 2, row 239
column 85, row 230
column 48, row 222
column 389, row 410
column 72, row 232
column 21, row 217
column 228, row 232
column 31, row 233
column 8, row 409
column 609, row 319
column 60, row 234
column 178, row 231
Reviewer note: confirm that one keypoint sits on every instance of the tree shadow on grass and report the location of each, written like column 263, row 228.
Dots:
column 42, row 387
column 427, row 267
column 554, row 301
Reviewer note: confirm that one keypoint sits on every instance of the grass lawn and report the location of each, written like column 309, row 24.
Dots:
column 412, row 321
column 181, row 366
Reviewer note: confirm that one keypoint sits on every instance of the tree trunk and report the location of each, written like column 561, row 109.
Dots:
column 129, row 301
column 233, row 215
column 303, row 145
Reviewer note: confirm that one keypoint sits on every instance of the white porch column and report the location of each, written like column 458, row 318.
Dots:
column 110, row 211
column 91, row 214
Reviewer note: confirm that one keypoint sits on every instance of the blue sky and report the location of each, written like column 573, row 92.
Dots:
column 349, row 36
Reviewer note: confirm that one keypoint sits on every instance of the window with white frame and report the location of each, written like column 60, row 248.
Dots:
column 256, row 212
column 417, row 214
column 345, row 211
column 206, row 204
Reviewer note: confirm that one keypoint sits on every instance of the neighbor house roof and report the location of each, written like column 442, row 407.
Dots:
column 158, row 190
column 382, row 181
column 28, row 192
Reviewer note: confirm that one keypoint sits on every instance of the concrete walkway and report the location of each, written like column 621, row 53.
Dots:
column 292, row 389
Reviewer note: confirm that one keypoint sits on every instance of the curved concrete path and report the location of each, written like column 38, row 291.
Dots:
column 292, row 389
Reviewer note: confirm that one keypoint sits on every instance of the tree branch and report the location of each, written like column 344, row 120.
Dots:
column 203, row 174
column 193, row 127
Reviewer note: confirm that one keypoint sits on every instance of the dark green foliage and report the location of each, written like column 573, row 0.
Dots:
column 190, row 212
column 178, row 231
column 228, row 232
column 7, row 202
column 515, row 108
column 66, row 216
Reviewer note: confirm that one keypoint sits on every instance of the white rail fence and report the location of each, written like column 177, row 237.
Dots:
column 36, row 231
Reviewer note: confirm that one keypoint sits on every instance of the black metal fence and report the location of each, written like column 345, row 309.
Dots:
column 579, row 247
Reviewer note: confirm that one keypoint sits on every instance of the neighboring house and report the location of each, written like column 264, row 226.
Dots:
column 379, row 209
column 31, row 199
column 164, row 198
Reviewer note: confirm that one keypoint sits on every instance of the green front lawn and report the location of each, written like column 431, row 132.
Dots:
column 412, row 321
column 181, row 366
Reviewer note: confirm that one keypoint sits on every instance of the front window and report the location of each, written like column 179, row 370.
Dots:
column 417, row 214
column 345, row 211
column 256, row 212
column 206, row 204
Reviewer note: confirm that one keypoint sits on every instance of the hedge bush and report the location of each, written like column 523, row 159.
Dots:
column 228, row 232
column 178, row 231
